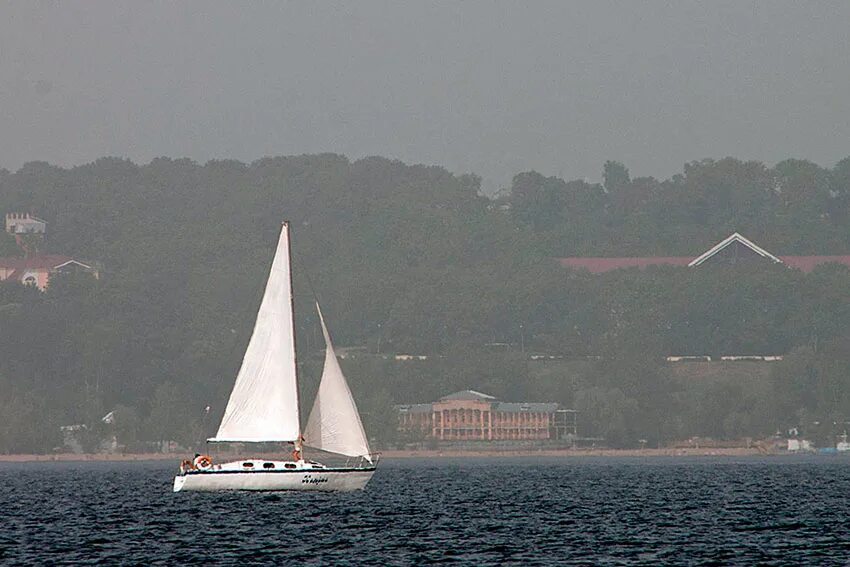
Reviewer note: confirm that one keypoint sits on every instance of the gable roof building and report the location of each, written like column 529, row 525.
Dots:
column 37, row 270
column 733, row 249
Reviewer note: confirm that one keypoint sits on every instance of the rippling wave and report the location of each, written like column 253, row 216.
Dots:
column 480, row 512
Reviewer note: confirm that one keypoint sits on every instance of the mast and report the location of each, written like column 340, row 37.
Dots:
column 286, row 227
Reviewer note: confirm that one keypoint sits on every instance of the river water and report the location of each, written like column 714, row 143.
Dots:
column 772, row 510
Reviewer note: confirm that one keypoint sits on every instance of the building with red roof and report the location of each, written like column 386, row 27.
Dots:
column 731, row 250
column 37, row 270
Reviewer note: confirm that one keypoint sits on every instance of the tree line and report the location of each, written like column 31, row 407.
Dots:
column 414, row 259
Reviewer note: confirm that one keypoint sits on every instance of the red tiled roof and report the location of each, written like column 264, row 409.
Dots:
column 599, row 265
column 45, row 261
column 808, row 263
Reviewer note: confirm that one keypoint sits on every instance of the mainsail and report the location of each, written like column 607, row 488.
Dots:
column 264, row 403
column 334, row 423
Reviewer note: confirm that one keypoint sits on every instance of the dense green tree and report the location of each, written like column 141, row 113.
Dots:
column 615, row 176
column 414, row 260
column 8, row 246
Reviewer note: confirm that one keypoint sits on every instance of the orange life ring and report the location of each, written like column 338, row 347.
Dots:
column 203, row 462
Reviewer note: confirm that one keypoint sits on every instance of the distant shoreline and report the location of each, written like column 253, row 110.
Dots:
column 423, row 454
column 566, row 453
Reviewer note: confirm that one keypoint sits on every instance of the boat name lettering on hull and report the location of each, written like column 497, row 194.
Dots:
column 311, row 480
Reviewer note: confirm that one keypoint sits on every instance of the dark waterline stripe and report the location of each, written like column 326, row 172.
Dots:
column 278, row 471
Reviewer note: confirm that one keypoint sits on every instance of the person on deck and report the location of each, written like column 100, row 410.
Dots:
column 296, row 452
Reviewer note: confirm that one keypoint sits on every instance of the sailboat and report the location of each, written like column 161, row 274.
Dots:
column 264, row 408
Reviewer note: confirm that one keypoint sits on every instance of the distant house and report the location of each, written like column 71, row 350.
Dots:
column 24, row 223
column 37, row 270
column 73, row 437
column 29, row 231
column 734, row 249
column 473, row 416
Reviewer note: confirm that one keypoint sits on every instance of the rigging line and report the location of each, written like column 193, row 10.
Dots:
column 302, row 269
column 296, row 258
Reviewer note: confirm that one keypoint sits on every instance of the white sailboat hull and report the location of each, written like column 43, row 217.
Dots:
column 323, row 480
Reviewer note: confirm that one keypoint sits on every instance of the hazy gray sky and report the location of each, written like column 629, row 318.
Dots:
column 489, row 87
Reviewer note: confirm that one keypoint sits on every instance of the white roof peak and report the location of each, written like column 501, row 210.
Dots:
column 734, row 237
column 477, row 393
